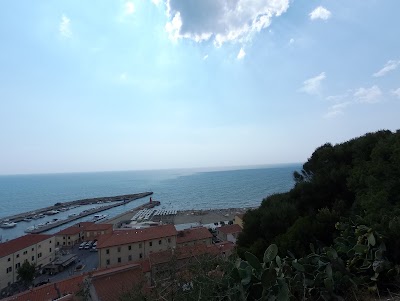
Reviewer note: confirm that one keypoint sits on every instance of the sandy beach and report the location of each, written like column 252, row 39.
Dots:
column 208, row 216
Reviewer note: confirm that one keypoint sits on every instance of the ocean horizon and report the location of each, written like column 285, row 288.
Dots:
column 180, row 189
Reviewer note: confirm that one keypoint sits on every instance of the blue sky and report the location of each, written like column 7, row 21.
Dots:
column 130, row 85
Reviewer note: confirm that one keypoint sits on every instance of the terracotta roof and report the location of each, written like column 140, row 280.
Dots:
column 70, row 231
column 122, row 237
column 99, row 227
column 50, row 291
column 193, row 234
column 225, row 246
column 182, row 253
column 230, row 229
column 110, row 284
column 15, row 245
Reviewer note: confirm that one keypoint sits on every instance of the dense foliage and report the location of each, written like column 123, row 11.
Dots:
column 356, row 182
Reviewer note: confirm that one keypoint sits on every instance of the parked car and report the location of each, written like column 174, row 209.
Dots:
column 82, row 245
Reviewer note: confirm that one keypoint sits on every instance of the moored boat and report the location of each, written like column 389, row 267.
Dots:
column 6, row 225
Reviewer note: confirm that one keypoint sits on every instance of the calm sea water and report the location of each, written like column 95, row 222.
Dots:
column 176, row 189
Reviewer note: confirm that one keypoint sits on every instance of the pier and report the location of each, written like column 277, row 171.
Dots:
column 118, row 200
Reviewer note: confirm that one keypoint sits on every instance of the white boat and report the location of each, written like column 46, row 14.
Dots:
column 8, row 225
column 98, row 217
column 31, row 228
column 73, row 214
column 27, row 219
column 52, row 212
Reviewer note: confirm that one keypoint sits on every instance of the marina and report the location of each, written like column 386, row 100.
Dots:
column 50, row 223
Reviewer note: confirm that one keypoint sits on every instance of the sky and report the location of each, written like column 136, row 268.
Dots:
column 153, row 84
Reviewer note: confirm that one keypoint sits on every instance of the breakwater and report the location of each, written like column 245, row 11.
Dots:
column 117, row 200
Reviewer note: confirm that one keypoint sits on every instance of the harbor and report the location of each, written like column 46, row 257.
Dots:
column 52, row 218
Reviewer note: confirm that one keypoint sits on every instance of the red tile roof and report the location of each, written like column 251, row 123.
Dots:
column 193, row 234
column 70, row 231
column 122, row 237
column 15, row 245
column 110, row 284
column 99, row 227
column 230, row 229
column 50, row 291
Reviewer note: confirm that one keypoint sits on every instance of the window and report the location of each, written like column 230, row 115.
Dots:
column 69, row 237
column 64, row 243
column 119, row 249
column 50, row 250
column 9, row 270
column 169, row 239
column 25, row 252
column 39, row 246
column 108, row 251
column 17, row 265
column 39, row 255
column 129, row 248
column 150, row 243
column 130, row 258
column 33, row 249
column 17, row 255
column 140, row 255
column 140, row 245
column 159, row 242
column 9, row 259
column 33, row 258
column 119, row 259
column 50, row 242
column 108, row 261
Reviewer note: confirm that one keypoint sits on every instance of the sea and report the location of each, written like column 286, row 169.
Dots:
column 179, row 189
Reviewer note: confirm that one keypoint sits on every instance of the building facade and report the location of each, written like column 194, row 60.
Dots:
column 125, row 246
column 34, row 248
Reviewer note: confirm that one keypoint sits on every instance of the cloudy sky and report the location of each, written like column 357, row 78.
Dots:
column 153, row 84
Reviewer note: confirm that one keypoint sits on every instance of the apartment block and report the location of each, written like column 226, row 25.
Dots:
column 194, row 236
column 125, row 246
column 34, row 248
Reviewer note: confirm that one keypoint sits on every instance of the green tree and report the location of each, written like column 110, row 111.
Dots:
column 26, row 272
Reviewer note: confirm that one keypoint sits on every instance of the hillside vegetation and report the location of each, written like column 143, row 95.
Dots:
column 344, row 210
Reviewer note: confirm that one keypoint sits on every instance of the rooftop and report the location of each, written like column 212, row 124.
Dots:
column 99, row 227
column 122, row 237
column 51, row 291
column 230, row 229
column 111, row 283
column 193, row 234
column 20, row 243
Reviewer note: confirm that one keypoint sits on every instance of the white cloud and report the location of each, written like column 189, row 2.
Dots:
column 223, row 20
column 396, row 92
column 241, row 54
column 291, row 41
column 337, row 109
column 205, row 57
column 129, row 8
column 320, row 13
column 156, row 2
column 337, row 98
column 389, row 66
column 368, row 95
column 313, row 85
column 65, row 27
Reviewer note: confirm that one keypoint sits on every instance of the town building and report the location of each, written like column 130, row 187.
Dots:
column 34, row 248
column 194, row 236
column 81, row 231
column 229, row 232
column 125, row 246
column 238, row 220
column 94, row 231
